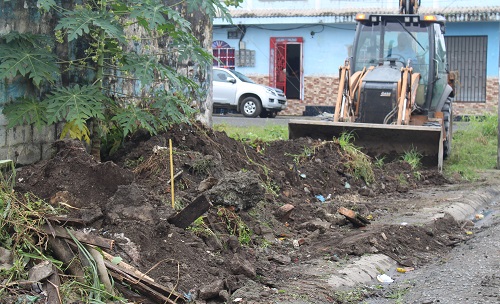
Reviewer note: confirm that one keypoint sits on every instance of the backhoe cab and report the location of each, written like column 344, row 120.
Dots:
column 394, row 92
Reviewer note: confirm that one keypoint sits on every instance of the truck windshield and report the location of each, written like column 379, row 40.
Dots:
column 406, row 44
column 242, row 77
column 378, row 42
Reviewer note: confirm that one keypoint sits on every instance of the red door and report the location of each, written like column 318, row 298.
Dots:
column 278, row 64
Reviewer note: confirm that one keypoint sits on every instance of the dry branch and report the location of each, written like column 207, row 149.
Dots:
column 147, row 288
column 81, row 236
column 127, row 268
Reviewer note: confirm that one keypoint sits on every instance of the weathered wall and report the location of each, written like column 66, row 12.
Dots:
column 27, row 145
column 23, row 144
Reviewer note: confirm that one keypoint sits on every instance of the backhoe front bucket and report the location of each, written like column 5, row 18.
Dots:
column 378, row 139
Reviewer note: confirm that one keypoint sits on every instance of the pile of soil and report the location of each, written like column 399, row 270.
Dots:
column 274, row 205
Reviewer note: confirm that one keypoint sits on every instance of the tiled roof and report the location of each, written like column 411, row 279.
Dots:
column 452, row 14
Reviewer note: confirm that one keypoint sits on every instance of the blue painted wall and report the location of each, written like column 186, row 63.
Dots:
column 322, row 54
column 490, row 29
column 327, row 50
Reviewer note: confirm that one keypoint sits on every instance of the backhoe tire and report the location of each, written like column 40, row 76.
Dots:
column 251, row 107
column 448, row 126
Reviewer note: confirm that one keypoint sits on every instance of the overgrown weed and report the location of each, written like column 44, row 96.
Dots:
column 358, row 163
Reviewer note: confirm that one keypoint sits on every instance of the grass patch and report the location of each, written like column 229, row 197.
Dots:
column 413, row 158
column 474, row 147
column 254, row 134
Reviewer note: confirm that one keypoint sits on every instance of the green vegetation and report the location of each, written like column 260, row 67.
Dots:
column 22, row 235
column 254, row 135
column 474, row 147
column 358, row 163
column 306, row 154
column 200, row 227
column 413, row 158
column 235, row 225
column 81, row 92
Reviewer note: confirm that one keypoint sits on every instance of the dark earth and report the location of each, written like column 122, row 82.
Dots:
column 244, row 246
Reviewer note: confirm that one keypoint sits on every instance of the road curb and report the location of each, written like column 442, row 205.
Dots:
column 468, row 207
column 367, row 268
column 363, row 270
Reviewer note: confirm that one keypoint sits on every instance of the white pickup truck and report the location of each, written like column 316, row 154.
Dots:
column 234, row 90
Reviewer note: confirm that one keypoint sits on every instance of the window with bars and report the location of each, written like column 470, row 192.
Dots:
column 467, row 55
column 224, row 55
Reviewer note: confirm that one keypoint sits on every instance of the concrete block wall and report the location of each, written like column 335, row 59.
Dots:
column 26, row 145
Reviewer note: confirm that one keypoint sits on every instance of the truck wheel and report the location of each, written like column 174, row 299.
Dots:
column 250, row 107
column 448, row 126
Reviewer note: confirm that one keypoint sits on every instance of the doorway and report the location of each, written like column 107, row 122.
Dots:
column 293, row 69
column 285, row 66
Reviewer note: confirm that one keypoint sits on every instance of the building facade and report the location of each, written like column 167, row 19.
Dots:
column 299, row 45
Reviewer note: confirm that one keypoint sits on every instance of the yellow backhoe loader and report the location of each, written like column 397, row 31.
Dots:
column 393, row 98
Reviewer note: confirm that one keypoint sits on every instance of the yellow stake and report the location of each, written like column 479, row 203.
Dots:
column 171, row 172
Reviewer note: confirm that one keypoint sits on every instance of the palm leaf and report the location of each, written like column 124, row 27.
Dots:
column 149, row 14
column 132, row 118
column 81, row 21
column 25, row 112
column 76, row 104
column 140, row 66
column 35, row 63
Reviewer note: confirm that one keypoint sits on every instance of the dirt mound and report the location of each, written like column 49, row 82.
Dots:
column 273, row 205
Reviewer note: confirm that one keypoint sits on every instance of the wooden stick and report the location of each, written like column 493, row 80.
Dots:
column 176, row 176
column 81, row 236
column 155, row 291
column 127, row 267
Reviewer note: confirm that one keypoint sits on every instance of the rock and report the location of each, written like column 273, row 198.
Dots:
column 315, row 225
column 233, row 243
column 207, row 184
column 211, row 290
column 283, row 212
column 6, row 258
column 40, row 271
column 281, row 259
column 241, row 190
column 364, row 191
column 239, row 265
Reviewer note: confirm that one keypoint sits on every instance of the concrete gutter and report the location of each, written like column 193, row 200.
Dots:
column 368, row 267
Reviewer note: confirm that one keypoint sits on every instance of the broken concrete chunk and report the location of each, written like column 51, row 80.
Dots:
column 239, row 265
column 6, row 258
column 283, row 212
column 40, row 271
column 211, row 290
column 281, row 259
column 242, row 190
